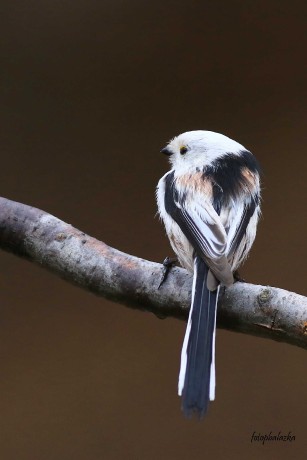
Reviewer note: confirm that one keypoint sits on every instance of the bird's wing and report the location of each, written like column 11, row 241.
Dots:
column 202, row 227
column 241, row 225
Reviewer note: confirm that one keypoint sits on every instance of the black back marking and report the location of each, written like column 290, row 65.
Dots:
column 227, row 177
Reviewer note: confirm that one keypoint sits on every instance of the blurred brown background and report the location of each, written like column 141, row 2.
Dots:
column 90, row 92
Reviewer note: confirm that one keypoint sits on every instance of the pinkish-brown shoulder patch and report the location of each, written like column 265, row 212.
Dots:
column 251, row 179
column 195, row 183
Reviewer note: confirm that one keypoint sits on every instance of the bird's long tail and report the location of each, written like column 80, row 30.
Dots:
column 197, row 371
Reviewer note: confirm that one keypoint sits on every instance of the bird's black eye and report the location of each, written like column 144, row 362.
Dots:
column 183, row 150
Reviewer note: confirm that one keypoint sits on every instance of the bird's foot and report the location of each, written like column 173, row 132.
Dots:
column 168, row 264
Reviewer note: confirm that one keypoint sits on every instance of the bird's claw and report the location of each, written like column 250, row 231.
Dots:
column 168, row 264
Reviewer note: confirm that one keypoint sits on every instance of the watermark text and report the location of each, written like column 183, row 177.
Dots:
column 264, row 437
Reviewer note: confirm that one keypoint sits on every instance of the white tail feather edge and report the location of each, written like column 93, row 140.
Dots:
column 184, row 358
column 212, row 369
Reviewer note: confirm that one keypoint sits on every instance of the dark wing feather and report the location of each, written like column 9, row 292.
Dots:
column 248, row 211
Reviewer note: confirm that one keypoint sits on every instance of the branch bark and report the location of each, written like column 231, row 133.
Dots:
column 80, row 259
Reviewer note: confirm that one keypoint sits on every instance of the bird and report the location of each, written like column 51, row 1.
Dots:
column 209, row 203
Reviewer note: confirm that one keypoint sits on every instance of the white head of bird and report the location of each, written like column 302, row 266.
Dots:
column 194, row 149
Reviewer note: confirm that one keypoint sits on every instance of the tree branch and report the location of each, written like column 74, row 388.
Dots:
column 42, row 238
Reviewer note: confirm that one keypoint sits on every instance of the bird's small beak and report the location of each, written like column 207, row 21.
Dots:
column 167, row 151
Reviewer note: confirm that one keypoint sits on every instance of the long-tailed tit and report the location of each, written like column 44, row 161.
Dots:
column 209, row 203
